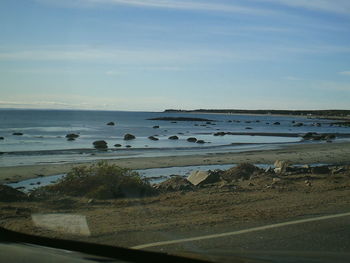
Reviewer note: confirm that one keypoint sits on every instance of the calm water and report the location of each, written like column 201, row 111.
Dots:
column 44, row 133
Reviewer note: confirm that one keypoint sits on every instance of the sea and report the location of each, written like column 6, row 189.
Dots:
column 43, row 134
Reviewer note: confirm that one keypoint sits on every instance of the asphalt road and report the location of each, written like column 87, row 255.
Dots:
column 324, row 240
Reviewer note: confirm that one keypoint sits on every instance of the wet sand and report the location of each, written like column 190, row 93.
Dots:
column 328, row 153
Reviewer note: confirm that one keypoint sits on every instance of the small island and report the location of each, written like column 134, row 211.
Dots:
column 178, row 119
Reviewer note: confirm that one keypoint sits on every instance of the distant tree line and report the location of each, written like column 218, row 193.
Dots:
column 282, row 112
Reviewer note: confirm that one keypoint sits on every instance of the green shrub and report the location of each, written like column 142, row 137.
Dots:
column 102, row 181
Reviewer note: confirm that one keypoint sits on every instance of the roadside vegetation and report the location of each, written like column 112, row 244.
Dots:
column 102, row 181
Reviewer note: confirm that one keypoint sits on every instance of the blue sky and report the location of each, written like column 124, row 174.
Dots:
column 184, row 54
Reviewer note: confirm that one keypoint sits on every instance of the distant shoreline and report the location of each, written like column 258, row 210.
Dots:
column 324, row 114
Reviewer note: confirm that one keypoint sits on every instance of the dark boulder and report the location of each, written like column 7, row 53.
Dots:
column 299, row 124
column 117, row 145
column 17, row 133
column 100, row 144
column 200, row 141
column 128, row 146
column 152, row 138
column 156, row 127
column 309, row 135
column 219, row 134
column 9, row 194
column 111, row 123
column 174, row 137
column 277, row 123
column 316, row 136
column 248, row 128
column 330, row 137
column 2, row 138
column 192, row 139
column 320, row 170
column 128, row 137
column 72, row 136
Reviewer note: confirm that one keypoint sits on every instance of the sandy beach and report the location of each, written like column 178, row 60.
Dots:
column 327, row 153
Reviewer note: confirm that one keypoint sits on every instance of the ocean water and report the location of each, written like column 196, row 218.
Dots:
column 44, row 131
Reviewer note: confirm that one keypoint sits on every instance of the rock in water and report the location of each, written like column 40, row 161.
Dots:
column 128, row 137
column 173, row 137
column 111, row 123
column 100, row 145
column 72, row 136
column 192, row 139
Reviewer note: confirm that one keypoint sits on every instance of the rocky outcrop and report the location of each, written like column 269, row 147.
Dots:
column 174, row 137
column 152, row 138
column 220, row 134
column 299, row 124
column 179, row 119
column 192, row 139
column 281, row 166
column 9, row 194
column 201, row 141
column 317, row 136
column 72, row 136
column 128, row 137
column 242, row 171
column 176, row 183
column 320, row 170
column 203, row 177
column 100, row 145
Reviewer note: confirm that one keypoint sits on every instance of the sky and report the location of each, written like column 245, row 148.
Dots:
column 151, row 55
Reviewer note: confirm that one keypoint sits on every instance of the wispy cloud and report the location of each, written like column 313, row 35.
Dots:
column 168, row 59
column 135, row 56
column 257, row 7
column 333, row 6
column 346, row 73
column 292, row 78
column 197, row 5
